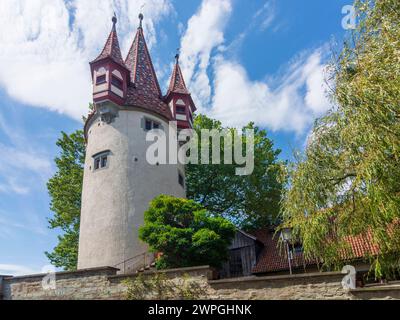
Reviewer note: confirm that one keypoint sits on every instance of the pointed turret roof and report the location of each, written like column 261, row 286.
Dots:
column 111, row 48
column 140, row 65
column 177, row 83
column 144, row 90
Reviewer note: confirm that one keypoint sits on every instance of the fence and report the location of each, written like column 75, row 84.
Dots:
column 137, row 263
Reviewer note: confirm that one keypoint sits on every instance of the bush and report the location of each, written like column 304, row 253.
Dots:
column 186, row 233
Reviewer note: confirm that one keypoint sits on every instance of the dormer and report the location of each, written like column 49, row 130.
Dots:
column 109, row 73
column 179, row 99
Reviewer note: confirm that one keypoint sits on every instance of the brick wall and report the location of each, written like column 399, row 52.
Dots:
column 104, row 283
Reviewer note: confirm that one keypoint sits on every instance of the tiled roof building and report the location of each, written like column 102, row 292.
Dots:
column 273, row 257
column 134, row 83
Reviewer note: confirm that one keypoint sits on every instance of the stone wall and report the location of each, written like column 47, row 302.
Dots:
column 104, row 283
column 303, row 286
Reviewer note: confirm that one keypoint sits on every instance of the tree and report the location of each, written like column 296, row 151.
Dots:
column 251, row 201
column 348, row 181
column 65, row 189
column 186, row 233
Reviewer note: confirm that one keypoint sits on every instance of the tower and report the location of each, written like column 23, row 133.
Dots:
column 179, row 99
column 118, row 182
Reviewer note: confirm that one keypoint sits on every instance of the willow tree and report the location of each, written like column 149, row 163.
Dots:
column 348, row 180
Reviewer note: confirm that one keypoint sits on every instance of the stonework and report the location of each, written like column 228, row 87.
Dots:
column 105, row 284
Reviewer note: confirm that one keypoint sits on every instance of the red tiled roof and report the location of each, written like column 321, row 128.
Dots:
column 139, row 97
column 111, row 48
column 141, row 67
column 177, row 83
column 144, row 90
column 273, row 258
column 360, row 246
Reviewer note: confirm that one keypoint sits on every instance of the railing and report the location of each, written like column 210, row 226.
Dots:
column 140, row 262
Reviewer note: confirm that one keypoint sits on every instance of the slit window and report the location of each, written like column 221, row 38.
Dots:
column 117, row 82
column 101, row 79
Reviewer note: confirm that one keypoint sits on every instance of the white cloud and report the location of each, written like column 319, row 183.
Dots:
column 289, row 103
column 22, row 164
column 46, row 46
column 266, row 13
column 21, row 169
column 16, row 270
column 204, row 33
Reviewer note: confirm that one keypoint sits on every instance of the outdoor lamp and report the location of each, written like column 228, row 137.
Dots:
column 286, row 234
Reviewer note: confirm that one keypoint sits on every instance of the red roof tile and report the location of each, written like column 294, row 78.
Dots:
column 141, row 67
column 111, row 48
column 360, row 246
column 144, row 90
column 141, row 98
column 177, row 83
column 273, row 258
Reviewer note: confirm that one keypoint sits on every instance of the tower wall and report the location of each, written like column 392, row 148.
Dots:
column 114, row 198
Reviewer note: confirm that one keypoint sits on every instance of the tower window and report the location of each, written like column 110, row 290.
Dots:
column 181, row 110
column 117, row 82
column 101, row 160
column 150, row 125
column 181, row 179
column 101, row 79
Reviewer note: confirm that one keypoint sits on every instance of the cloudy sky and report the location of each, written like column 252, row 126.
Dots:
column 243, row 60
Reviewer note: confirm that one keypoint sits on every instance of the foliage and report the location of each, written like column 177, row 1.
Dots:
column 65, row 189
column 348, row 181
column 251, row 201
column 186, row 233
column 159, row 287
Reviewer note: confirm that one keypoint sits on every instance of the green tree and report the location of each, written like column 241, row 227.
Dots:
column 65, row 189
column 250, row 201
column 348, row 181
column 186, row 233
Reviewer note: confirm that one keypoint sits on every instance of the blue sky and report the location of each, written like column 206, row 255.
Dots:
column 243, row 60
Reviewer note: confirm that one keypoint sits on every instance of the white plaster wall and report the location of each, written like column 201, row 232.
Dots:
column 117, row 91
column 114, row 199
column 181, row 117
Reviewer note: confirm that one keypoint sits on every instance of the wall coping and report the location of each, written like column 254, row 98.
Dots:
column 166, row 271
column 377, row 288
column 63, row 273
column 281, row 277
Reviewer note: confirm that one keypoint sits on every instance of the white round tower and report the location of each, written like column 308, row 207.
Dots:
column 118, row 182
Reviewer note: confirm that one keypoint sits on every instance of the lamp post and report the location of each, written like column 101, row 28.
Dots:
column 286, row 234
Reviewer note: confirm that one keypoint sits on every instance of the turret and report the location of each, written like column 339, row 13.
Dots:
column 110, row 76
column 179, row 99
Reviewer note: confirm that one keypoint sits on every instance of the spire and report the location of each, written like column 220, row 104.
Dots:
column 140, row 65
column 140, row 19
column 111, row 48
column 177, row 83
